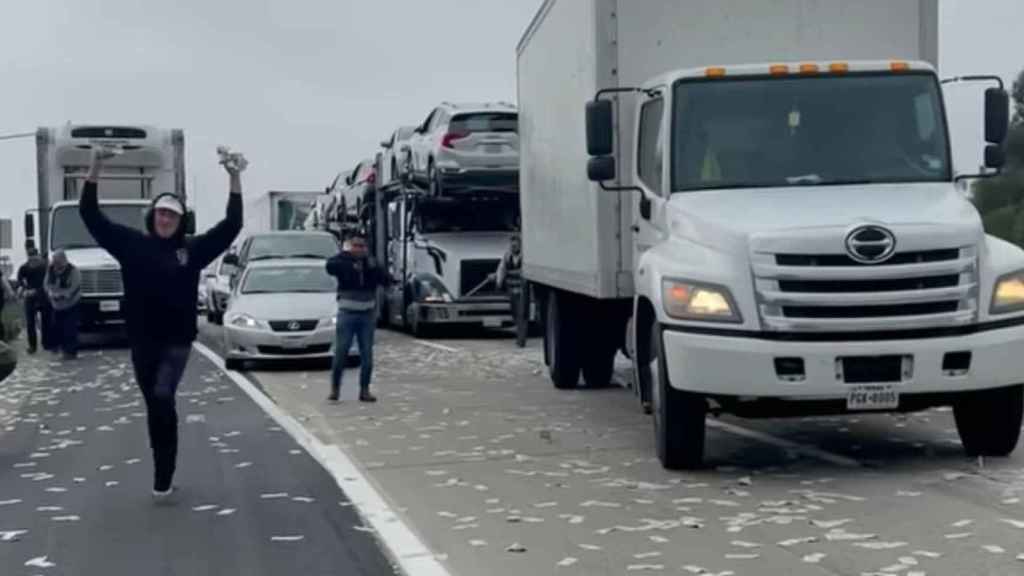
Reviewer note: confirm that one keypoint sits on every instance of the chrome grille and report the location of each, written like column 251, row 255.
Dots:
column 833, row 292
column 475, row 273
column 101, row 282
column 293, row 325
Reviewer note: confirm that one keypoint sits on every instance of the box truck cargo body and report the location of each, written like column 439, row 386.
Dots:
column 756, row 201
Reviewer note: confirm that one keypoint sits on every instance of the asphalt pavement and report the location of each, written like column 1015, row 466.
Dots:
column 504, row 475
column 76, row 474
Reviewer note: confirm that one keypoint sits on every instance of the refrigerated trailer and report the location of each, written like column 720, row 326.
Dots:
column 756, row 202
column 151, row 162
column 279, row 210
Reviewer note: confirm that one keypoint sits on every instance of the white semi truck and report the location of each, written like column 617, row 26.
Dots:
column 756, row 201
column 151, row 161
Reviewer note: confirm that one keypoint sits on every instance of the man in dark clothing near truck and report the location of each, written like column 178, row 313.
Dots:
column 31, row 276
column 358, row 279
column 160, row 270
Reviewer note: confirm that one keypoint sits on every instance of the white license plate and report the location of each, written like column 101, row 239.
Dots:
column 492, row 323
column 872, row 397
column 293, row 343
column 110, row 306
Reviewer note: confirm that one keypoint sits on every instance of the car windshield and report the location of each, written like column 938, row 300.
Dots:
column 288, row 279
column 69, row 232
column 485, row 122
column 433, row 217
column 759, row 132
column 293, row 246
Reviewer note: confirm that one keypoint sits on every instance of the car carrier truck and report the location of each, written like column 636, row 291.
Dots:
column 756, row 201
column 150, row 161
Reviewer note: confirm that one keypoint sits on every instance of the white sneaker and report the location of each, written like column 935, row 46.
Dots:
column 165, row 496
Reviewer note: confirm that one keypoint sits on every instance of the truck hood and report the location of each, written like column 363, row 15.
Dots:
column 731, row 217
column 91, row 258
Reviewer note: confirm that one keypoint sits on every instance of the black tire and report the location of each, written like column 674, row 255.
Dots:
column 989, row 421
column 233, row 364
column 679, row 417
column 561, row 342
column 599, row 366
column 642, row 373
column 436, row 187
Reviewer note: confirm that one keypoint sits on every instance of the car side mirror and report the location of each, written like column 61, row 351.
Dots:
column 231, row 260
column 997, row 116
column 995, row 156
column 601, row 168
column 599, row 128
column 190, row 223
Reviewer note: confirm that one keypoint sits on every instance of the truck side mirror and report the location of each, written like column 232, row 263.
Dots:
column 995, row 156
column 190, row 223
column 231, row 260
column 599, row 128
column 997, row 116
column 30, row 226
column 601, row 168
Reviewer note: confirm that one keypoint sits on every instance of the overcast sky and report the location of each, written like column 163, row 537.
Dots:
column 306, row 88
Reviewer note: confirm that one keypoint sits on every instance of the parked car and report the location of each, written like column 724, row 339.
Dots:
column 281, row 245
column 473, row 145
column 216, row 286
column 281, row 310
column 396, row 154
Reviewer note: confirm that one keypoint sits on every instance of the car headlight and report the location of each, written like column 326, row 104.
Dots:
column 329, row 321
column 685, row 300
column 1009, row 294
column 247, row 321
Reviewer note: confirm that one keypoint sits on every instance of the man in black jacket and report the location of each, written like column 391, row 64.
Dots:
column 160, row 270
column 31, row 276
column 358, row 278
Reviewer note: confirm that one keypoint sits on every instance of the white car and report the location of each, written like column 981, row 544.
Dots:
column 396, row 154
column 467, row 145
column 281, row 310
column 216, row 287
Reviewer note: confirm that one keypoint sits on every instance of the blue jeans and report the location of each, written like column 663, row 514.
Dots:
column 357, row 326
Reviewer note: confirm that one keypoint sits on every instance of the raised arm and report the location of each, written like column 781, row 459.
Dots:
column 113, row 237
column 207, row 247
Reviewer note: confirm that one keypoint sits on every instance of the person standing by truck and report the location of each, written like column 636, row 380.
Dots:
column 64, row 289
column 31, row 283
column 510, row 278
column 161, row 270
column 358, row 276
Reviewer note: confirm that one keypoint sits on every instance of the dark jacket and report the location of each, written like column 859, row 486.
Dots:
column 358, row 279
column 31, row 276
column 161, row 277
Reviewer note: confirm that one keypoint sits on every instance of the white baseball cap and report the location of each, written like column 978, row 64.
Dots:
column 170, row 203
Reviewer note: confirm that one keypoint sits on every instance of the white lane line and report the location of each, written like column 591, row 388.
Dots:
column 404, row 546
column 436, row 346
column 786, row 444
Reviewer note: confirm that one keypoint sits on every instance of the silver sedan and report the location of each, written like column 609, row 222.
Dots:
column 281, row 310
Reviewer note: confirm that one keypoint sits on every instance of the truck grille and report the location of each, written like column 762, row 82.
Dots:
column 833, row 292
column 474, row 272
column 102, row 282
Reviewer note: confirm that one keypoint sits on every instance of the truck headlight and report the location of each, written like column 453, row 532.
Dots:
column 686, row 300
column 247, row 321
column 1009, row 294
column 432, row 290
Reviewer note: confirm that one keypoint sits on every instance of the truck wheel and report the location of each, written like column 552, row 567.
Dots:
column 600, row 364
column 434, row 180
column 561, row 343
column 989, row 420
column 214, row 318
column 678, row 416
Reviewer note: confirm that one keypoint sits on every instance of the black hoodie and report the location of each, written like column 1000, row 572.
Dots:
column 161, row 277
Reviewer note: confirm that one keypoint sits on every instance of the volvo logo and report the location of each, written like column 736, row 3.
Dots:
column 870, row 244
column 294, row 326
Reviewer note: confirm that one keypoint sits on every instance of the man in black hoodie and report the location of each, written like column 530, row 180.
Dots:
column 161, row 270
column 31, row 276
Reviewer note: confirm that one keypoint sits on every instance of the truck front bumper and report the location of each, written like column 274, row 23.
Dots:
column 101, row 310
column 487, row 314
column 750, row 365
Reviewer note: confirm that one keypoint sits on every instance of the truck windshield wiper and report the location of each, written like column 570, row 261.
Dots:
column 265, row 257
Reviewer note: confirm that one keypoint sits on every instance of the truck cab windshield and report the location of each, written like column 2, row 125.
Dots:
column 770, row 132
column 69, row 231
column 434, row 217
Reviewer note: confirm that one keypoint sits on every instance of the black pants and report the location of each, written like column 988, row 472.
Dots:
column 38, row 310
column 519, row 297
column 158, row 370
column 65, row 328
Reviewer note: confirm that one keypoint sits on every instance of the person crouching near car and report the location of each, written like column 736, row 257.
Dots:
column 64, row 289
column 358, row 277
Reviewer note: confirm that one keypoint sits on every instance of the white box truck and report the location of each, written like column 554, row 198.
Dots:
column 279, row 210
column 756, row 201
column 151, row 162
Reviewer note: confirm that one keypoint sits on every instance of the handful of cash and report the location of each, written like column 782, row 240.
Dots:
column 232, row 160
column 108, row 151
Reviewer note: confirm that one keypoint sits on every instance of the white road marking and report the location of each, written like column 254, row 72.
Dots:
column 436, row 346
column 786, row 444
column 399, row 540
